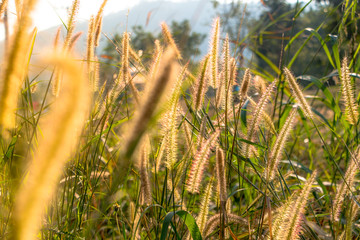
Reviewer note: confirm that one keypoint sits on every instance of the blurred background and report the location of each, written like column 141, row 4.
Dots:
column 259, row 30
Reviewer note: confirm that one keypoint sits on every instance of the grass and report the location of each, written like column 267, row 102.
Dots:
column 103, row 159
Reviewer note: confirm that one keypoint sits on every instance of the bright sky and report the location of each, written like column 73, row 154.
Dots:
column 49, row 12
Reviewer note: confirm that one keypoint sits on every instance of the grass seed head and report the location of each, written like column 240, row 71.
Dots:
column 299, row 96
column 214, row 53
column 347, row 91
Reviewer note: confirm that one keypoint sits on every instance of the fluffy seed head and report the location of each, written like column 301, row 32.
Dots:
column 288, row 223
column 14, row 69
column 277, row 149
column 152, row 98
column 220, row 173
column 245, row 84
column 347, row 91
column 63, row 127
column 71, row 23
column 201, row 85
column 257, row 117
column 260, row 84
column 74, row 40
column 169, row 39
column 145, row 187
column 198, row 164
column 345, row 188
column 57, row 38
column 299, row 96
column 125, row 57
column 204, row 206
column 214, row 49
column 215, row 220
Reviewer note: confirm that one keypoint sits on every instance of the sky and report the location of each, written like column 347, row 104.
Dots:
column 49, row 12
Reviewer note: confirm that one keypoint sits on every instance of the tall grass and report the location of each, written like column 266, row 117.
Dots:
column 183, row 156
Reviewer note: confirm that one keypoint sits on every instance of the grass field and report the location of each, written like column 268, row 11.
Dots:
column 96, row 159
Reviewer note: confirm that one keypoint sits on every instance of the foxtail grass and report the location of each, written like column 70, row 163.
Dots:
column 143, row 160
column 169, row 39
column 13, row 74
column 245, row 84
column 98, row 23
column 204, row 206
column 347, row 91
column 346, row 187
column 288, row 223
column 257, row 117
column 201, row 85
column 266, row 119
column 226, row 80
column 199, row 163
column 61, row 132
column 91, row 54
column 299, row 96
column 152, row 98
column 277, row 149
column 214, row 222
column 220, row 174
column 71, row 23
column 214, row 53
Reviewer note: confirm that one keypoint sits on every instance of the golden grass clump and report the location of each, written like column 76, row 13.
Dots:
column 63, row 127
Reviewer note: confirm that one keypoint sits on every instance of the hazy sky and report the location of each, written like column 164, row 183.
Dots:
column 49, row 12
